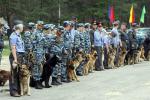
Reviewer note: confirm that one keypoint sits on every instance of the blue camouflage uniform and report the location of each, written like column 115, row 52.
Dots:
column 87, row 42
column 28, row 48
column 87, row 38
column 38, row 52
column 56, row 49
column 66, row 53
column 79, row 41
column 79, row 45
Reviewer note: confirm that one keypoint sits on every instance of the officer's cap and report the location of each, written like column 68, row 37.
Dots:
column 116, row 22
column 47, row 26
column 31, row 24
column 66, row 23
column 80, row 25
column 39, row 22
column 60, row 28
column 94, row 23
column 74, row 17
column 72, row 23
column 99, row 24
column 52, row 26
column 87, row 25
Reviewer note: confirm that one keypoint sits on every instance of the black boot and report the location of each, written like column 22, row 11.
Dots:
column 59, row 80
column 40, row 82
column 32, row 82
column 47, row 83
column 79, row 73
column 38, row 85
column 54, row 81
column 65, row 80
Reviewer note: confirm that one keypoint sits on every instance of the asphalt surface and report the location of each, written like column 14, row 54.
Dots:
column 130, row 82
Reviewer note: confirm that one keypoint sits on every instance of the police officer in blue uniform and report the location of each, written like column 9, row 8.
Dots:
column 16, row 59
column 117, row 40
column 98, row 43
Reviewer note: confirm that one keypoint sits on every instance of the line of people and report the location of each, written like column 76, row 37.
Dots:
column 42, row 42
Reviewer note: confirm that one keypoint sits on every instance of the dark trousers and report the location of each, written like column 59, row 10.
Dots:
column 98, row 63
column 105, row 62
column 14, row 78
column 117, row 56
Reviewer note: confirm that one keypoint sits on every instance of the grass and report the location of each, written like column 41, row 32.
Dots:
column 6, row 50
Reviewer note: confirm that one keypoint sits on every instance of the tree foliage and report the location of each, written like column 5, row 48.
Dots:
column 85, row 10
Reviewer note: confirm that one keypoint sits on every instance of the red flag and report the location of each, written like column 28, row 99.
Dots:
column 111, row 15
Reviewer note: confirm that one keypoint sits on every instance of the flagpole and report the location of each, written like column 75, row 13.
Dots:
column 59, row 12
column 139, row 24
column 130, row 25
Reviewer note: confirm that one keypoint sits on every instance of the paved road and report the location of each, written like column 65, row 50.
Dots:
column 125, row 83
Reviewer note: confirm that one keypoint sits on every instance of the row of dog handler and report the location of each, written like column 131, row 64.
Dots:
column 17, row 53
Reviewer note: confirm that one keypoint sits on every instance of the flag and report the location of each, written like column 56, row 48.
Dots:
column 132, row 17
column 143, row 15
column 111, row 14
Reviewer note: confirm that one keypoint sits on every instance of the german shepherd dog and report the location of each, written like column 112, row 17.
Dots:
column 24, row 76
column 142, row 53
column 111, row 57
column 4, row 76
column 73, row 65
column 90, row 65
column 93, row 57
column 86, row 66
column 122, row 54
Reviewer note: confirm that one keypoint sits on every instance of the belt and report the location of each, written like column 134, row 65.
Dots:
column 21, row 53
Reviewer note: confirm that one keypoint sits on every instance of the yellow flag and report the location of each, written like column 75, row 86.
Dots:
column 132, row 18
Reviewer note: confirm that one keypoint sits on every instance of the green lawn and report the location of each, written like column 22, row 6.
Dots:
column 6, row 50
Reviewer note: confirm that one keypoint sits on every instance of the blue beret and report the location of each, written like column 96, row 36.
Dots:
column 66, row 23
column 47, row 26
